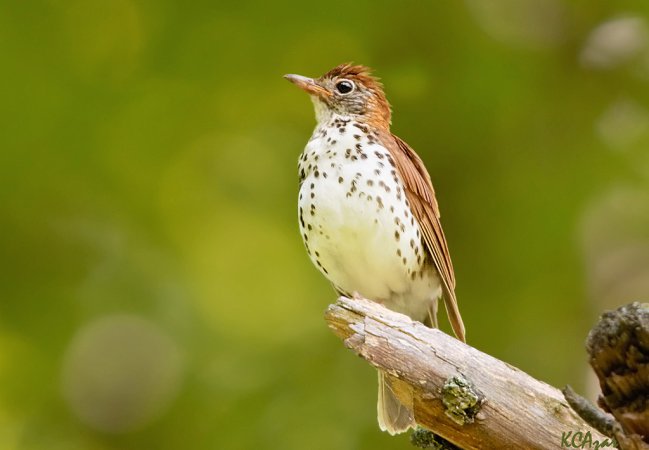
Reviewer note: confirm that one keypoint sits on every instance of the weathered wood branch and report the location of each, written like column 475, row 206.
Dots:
column 465, row 396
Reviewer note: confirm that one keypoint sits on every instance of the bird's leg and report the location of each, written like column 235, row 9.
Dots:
column 432, row 314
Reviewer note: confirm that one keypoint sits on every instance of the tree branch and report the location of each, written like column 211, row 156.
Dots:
column 618, row 347
column 467, row 397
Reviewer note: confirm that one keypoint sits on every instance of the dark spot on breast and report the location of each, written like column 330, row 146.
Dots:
column 396, row 235
column 340, row 179
column 370, row 182
column 363, row 128
column 352, row 189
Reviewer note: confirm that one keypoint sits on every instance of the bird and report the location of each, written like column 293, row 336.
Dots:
column 368, row 215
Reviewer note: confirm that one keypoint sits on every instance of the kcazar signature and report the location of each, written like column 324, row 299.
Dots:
column 578, row 439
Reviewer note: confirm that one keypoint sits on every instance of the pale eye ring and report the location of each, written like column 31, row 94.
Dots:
column 345, row 86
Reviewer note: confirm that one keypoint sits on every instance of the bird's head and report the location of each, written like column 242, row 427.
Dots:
column 347, row 90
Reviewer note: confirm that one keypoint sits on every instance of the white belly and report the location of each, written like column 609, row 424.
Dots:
column 357, row 226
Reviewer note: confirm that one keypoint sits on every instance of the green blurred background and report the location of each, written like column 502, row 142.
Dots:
column 154, row 290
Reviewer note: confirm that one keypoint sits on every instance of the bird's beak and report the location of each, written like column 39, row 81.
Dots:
column 308, row 85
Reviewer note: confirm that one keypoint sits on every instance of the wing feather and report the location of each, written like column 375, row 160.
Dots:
column 421, row 196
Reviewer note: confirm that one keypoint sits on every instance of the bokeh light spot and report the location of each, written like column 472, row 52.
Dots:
column 120, row 372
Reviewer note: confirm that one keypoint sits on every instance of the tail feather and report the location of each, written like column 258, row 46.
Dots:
column 454, row 316
column 393, row 416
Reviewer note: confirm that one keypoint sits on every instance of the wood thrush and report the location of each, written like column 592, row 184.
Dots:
column 368, row 214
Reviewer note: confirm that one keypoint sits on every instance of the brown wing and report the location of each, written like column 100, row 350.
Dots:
column 421, row 196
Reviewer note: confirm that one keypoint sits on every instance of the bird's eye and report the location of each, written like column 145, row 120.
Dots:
column 344, row 86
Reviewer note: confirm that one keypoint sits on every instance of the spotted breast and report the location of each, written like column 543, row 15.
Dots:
column 356, row 221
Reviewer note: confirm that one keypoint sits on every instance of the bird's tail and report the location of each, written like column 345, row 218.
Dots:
column 393, row 416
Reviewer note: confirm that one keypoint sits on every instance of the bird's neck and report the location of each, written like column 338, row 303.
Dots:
column 325, row 115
